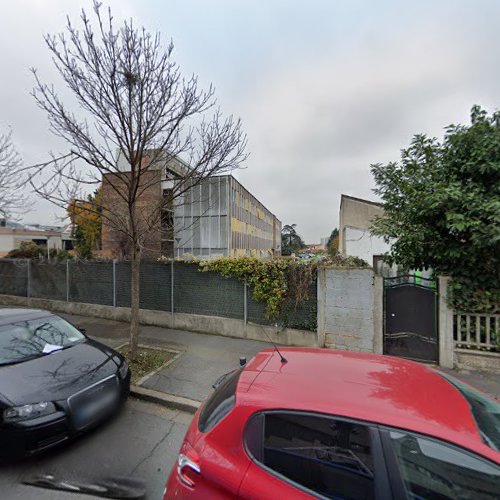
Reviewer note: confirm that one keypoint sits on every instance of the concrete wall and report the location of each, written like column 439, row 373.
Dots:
column 468, row 359
column 451, row 356
column 350, row 309
column 192, row 322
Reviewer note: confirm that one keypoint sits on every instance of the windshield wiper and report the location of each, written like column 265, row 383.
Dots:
column 67, row 346
column 107, row 487
column 40, row 354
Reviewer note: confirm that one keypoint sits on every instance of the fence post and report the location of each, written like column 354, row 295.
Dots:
column 378, row 314
column 245, row 303
column 67, row 280
column 445, row 325
column 321, row 301
column 28, row 285
column 172, row 286
column 114, row 282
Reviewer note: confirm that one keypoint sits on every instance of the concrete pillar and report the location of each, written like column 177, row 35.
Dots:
column 445, row 325
column 378, row 314
column 321, row 329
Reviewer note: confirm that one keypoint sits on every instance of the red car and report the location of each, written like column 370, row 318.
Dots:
column 340, row 425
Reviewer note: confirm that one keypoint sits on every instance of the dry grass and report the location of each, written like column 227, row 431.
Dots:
column 146, row 361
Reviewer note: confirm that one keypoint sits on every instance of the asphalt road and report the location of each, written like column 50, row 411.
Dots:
column 141, row 442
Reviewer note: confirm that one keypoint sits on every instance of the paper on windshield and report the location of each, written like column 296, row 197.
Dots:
column 48, row 348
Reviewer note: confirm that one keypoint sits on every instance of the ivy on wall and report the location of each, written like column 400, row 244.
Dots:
column 282, row 284
column 266, row 278
column 465, row 297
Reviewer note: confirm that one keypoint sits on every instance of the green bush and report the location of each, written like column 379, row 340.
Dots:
column 465, row 297
column 276, row 282
column 30, row 250
column 27, row 250
column 59, row 254
column 339, row 260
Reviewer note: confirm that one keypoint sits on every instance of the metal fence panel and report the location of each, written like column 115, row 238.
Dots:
column 123, row 284
column 194, row 292
column 91, row 282
column 155, row 286
column 155, row 289
column 256, row 311
column 303, row 316
column 206, row 293
column 48, row 280
column 14, row 277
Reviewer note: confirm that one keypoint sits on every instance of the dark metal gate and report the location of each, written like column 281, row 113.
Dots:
column 410, row 318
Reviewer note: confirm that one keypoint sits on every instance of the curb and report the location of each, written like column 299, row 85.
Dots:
column 165, row 399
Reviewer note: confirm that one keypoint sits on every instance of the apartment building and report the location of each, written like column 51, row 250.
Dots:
column 219, row 217
column 214, row 217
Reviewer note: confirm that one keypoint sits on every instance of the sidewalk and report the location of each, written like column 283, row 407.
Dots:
column 204, row 357
column 487, row 382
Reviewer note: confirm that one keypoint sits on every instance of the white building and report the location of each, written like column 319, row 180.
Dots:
column 12, row 234
column 355, row 220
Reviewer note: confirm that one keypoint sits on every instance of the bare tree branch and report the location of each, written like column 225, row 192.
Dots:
column 137, row 116
column 12, row 179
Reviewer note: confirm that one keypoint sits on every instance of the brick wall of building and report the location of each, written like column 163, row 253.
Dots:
column 114, row 243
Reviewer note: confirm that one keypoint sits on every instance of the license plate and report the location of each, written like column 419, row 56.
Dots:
column 93, row 405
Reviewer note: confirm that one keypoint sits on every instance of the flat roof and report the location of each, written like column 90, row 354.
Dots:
column 361, row 200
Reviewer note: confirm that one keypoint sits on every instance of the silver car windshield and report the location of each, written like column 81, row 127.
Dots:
column 32, row 338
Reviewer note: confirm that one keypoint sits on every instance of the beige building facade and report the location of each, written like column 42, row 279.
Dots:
column 11, row 237
column 355, row 220
column 219, row 217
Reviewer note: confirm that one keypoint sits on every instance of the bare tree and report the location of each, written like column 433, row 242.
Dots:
column 12, row 178
column 137, row 116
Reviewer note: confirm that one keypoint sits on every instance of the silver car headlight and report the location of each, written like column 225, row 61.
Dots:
column 27, row 412
column 123, row 369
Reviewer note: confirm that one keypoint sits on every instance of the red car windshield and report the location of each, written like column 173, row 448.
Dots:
column 486, row 411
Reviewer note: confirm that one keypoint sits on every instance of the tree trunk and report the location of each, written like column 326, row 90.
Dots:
column 134, row 303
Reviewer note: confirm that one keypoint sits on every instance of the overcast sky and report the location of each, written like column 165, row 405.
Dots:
column 324, row 88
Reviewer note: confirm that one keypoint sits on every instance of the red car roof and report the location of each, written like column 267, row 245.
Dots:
column 381, row 389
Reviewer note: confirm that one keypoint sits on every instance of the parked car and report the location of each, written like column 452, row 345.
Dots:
column 55, row 382
column 343, row 425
